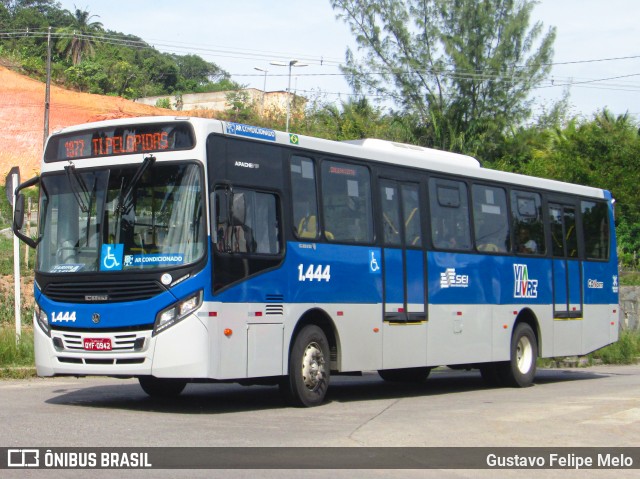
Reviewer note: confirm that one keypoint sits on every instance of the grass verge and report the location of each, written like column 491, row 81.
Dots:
column 625, row 351
column 16, row 358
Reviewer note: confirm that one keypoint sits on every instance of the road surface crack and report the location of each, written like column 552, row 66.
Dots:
column 371, row 419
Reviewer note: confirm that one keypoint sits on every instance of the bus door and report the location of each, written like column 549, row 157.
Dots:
column 567, row 268
column 403, row 258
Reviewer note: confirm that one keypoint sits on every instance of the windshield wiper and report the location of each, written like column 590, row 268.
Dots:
column 125, row 196
column 73, row 174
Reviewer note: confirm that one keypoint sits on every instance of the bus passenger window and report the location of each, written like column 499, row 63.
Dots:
column 346, row 202
column 595, row 226
column 490, row 219
column 526, row 209
column 304, row 199
column 449, row 214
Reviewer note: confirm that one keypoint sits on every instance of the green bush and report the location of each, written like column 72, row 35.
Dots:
column 625, row 351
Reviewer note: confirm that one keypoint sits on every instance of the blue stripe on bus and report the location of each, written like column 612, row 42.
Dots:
column 328, row 273
column 453, row 278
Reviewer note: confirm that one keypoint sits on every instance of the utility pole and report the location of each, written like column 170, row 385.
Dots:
column 47, row 91
column 291, row 63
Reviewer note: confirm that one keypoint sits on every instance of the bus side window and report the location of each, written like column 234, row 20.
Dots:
column 246, row 222
column 450, row 228
column 346, row 202
column 595, row 226
column 528, row 228
column 490, row 219
column 304, row 198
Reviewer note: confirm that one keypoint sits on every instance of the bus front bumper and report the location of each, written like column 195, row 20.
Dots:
column 180, row 351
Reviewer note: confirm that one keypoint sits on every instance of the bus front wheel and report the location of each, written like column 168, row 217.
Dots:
column 520, row 370
column 162, row 387
column 309, row 369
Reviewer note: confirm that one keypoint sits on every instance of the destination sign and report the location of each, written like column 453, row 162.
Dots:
column 119, row 140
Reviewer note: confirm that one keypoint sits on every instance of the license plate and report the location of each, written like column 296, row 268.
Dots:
column 97, row 344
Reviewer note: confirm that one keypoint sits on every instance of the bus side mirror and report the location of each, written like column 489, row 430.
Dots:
column 18, row 217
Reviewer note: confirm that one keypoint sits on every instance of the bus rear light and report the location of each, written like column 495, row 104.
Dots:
column 213, row 314
column 255, row 314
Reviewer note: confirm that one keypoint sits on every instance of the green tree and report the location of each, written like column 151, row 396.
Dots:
column 462, row 69
column 601, row 152
column 352, row 120
column 196, row 73
column 77, row 39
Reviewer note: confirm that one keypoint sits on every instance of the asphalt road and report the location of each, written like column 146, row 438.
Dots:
column 598, row 406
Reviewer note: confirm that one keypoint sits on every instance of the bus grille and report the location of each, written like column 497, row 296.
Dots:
column 126, row 342
column 103, row 292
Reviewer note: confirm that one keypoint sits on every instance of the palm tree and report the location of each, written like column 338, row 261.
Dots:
column 76, row 40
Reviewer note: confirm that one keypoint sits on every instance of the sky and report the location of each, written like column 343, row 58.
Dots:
column 597, row 47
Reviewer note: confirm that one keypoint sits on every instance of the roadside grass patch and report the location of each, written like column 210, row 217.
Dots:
column 16, row 354
column 625, row 351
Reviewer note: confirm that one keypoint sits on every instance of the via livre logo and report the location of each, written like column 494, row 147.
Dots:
column 524, row 287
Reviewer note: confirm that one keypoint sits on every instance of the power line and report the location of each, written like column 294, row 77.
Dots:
column 230, row 52
column 254, row 54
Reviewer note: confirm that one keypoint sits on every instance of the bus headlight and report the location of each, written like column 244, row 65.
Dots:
column 177, row 312
column 42, row 319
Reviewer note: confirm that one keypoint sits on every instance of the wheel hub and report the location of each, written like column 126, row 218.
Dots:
column 524, row 355
column 313, row 364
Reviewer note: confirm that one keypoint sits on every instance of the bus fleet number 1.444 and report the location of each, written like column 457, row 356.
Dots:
column 314, row 272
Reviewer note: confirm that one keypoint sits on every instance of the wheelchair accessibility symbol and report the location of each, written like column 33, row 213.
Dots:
column 374, row 266
column 111, row 257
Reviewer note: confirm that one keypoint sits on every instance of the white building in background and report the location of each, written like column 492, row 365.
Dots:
column 272, row 102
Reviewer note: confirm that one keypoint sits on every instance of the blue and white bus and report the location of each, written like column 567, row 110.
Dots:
column 178, row 250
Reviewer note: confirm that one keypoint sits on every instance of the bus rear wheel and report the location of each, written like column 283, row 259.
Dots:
column 309, row 369
column 520, row 370
column 162, row 387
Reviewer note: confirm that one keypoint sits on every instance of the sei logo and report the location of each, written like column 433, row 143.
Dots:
column 314, row 273
column 450, row 279
column 66, row 317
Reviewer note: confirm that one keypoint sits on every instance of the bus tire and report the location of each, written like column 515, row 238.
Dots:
column 309, row 369
column 162, row 387
column 405, row 375
column 520, row 370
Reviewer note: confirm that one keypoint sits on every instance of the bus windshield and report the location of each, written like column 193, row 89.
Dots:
column 121, row 219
